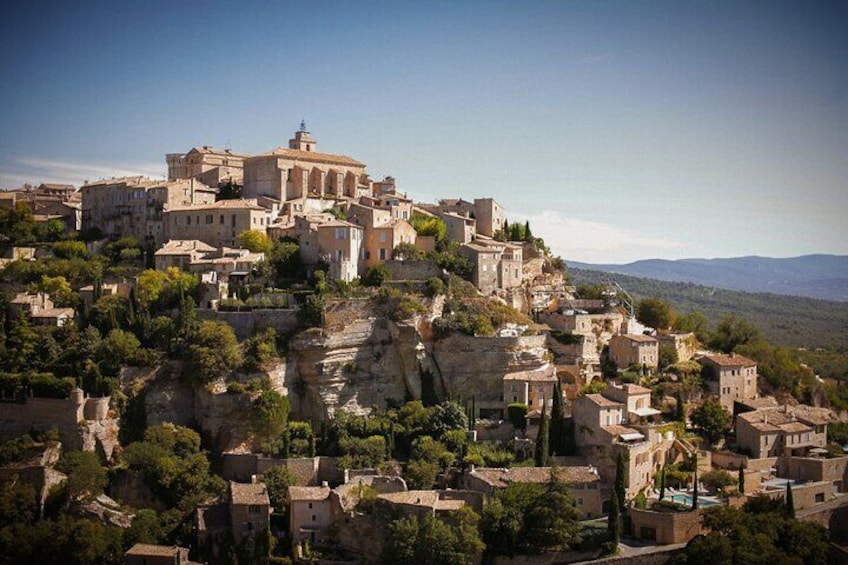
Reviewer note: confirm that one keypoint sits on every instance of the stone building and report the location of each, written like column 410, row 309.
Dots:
column 39, row 309
column 730, row 377
column 582, row 479
column 530, row 388
column 250, row 509
column 213, row 167
column 300, row 171
column 217, row 224
column 460, row 229
column 489, row 216
column 485, row 262
column 682, row 343
column 312, row 510
column 135, row 206
column 148, row 554
column 786, row 430
column 627, row 350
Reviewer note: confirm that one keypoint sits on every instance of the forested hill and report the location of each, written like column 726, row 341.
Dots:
column 813, row 276
column 784, row 320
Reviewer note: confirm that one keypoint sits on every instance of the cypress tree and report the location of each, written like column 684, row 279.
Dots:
column 618, row 485
column 557, row 446
column 681, row 406
column 614, row 522
column 528, row 236
column 790, row 501
column 472, row 421
column 695, row 485
column 505, row 230
column 662, row 483
column 741, row 479
column 543, row 439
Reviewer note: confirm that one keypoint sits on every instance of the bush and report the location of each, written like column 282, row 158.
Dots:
column 435, row 287
column 517, row 415
column 376, row 276
column 69, row 249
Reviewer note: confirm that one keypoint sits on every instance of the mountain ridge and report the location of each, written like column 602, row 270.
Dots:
column 821, row 276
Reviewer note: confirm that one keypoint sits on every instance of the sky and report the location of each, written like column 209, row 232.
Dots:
column 620, row 130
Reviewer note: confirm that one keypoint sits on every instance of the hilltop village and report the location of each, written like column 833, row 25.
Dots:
column 275, row 358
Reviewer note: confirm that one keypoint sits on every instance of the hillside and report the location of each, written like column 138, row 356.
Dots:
column 813, row 276
column 785, row 320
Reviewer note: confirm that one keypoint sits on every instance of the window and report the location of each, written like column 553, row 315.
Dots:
column 254, row 509
column 313, row 517
column 382, row 254
column 209, row 219
column 188, row 220
column 310, row 506
column 382, row 237
column 340, row 233
column 221, row 219
column 819, row 497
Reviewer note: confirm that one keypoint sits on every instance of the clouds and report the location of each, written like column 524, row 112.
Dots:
column 595, row 242
column 16, row 171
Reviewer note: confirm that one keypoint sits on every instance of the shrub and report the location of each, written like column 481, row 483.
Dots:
column 517, row 415
column 435, row 287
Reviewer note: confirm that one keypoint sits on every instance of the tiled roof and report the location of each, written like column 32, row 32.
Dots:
column 603, row 401
column 631, row 388
column 242, row 204
column 142, row 549
column 308, row 493
column 732, row 360
column 533, row 376
column 640, row 338
column 181, row 246
column 314, row 156
column 500, row 478
column 249, row 493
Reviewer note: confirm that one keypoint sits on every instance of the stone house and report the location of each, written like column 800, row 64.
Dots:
column 87, row 293
column 217, row 224
column 312, row 510
column 530, row 388
column 460, row 229
column 665, row 527
column 135, row 206
column 730, row 377
column 399, row 207
column 180, row 253
column 489, row 216
column 148, row 554
column 227, row 262
column 636, row 401
column 213, row 167
column 773, row 432
column 299, row 172
column 682, row 343
column 583, row 480
column 39, row 309
column 250, row 509
column 340, row 245
column 485, row 262
column 630, row 349
column 421, row 503
column 380, row 242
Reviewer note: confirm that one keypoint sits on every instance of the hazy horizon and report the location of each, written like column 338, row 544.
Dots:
column 622, row 131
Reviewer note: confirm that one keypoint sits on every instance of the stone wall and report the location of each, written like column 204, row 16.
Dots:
column 308, row 471
column 245, row 324
column 413, row 270
column 665, row 528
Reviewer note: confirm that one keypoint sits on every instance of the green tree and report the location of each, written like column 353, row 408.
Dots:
column 213, row 352
column 558, row 435
column 551, row 520
column 662, row 483
column 255, row 241
column 733, row 332
column 695, row 485
column 445, row 417
column 718, row 479
column 542, row 439
column 433, row 541
column 667, row 355
column 277, row 480
column 620, row 476
column 790, row 501
column 614, row 522
column 741, row 479
column 711, row 419
column 376, row 276
column 119, row 348
column 269, row 416
column 86, row 477
column 655, row 313
column 694, row 322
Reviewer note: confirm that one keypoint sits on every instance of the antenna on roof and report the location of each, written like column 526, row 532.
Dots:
column 302, row 125
column 228, row 145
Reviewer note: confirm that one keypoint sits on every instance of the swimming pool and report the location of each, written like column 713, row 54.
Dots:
column 687, row 500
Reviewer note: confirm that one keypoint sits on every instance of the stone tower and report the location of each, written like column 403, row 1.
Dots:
column 303, row 140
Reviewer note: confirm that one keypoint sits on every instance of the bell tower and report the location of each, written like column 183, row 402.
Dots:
column 302, row 141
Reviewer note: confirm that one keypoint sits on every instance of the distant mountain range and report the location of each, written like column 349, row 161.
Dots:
column 812, row 276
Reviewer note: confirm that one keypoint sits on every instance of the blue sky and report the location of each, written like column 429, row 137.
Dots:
column 622, row 130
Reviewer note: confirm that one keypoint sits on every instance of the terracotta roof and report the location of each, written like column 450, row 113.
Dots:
column 617, row 430
column 795, row 427
column 181, row 246
column 314, row 156
column 500, row 478
column 417, row 497
column 308, row 493
column 533, row 376
column 639, row 338
column 241, row 204
column 249, row 493
column 603, row 401
column 631, row 388
column 153, row 550
column 732, row 360
column 759, row 403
